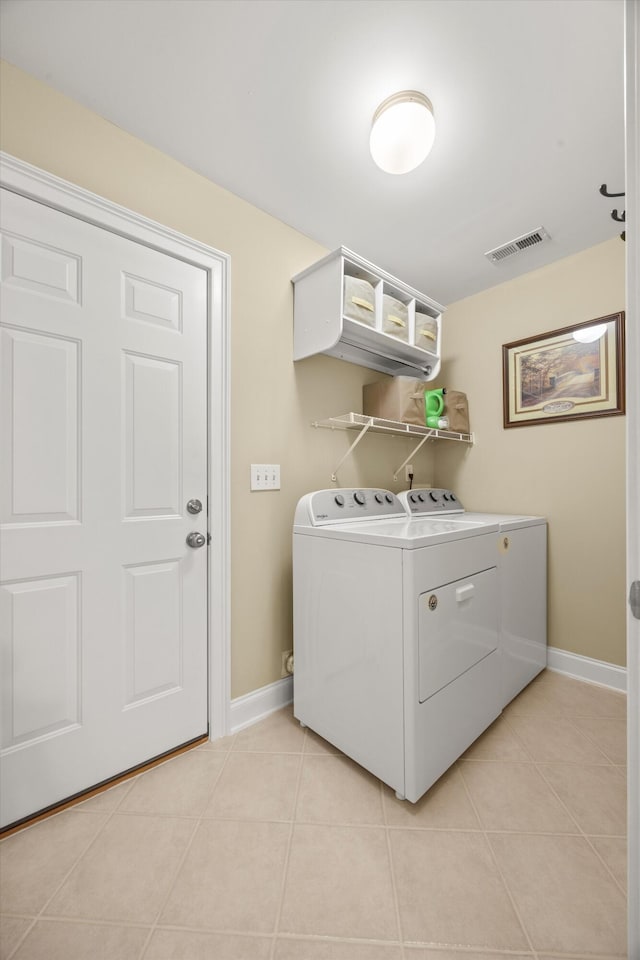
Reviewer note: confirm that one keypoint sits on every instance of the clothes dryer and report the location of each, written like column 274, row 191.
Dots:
column 521, row 553
column 395, row 633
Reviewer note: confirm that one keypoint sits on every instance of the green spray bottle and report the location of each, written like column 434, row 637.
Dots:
column 433, row 406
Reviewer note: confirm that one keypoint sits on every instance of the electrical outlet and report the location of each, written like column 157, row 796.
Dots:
column 408, row 471
column 265, row 476
column 287, row 663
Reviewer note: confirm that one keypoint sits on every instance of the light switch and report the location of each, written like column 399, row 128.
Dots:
column 265, row 476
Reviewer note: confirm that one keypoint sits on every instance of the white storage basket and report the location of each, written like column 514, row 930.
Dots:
column 395, row 318
column 359, row 301
column 426, row 332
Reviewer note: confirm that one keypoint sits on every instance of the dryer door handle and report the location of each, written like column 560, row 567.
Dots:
column 465, row 593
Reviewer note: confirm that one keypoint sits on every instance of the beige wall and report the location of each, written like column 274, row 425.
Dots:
column 573, row 473
column 273, row 401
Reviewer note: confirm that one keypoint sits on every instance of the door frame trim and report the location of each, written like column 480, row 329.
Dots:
column 44, row 187
column 632, row 188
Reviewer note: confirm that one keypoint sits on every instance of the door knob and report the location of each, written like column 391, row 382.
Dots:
column 194, row 506
column 196, row 539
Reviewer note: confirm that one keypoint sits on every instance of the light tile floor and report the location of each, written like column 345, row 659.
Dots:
column 270, row 845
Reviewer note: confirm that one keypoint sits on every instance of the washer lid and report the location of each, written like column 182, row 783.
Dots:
column 507, row 521
column 438, row 501
column 404, row 533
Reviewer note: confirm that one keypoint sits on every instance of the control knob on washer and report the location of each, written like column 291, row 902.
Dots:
column 378, row 498
column 339, row 499
column 359, row 498
column 433, row 496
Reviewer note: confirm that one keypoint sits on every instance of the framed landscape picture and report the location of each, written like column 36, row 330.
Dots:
column 567, row 374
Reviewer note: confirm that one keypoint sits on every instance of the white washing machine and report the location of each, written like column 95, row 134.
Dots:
column 521, row 548
column 395, row 633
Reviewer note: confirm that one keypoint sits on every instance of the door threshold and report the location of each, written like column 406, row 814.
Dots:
column 100, row 787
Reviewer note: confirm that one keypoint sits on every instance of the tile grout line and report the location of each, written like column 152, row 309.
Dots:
column 197, row 821
column 574, row 820
column 70, row 921
column 583, row 834
column 519, row 740
column 497, row 866
column 571, row 720
column 590, row 738
column 285, row 870
column 396, row 901
column 24, row 936
column 606, row 765
column 109, row 815
column 605, row 762
column 80, row 921
column 39, row 915
column 567, row 763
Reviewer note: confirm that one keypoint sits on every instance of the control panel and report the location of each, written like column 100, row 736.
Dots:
column 339, row 506
column 419, row 502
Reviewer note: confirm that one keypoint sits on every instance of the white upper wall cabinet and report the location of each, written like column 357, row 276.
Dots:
column 348, row 308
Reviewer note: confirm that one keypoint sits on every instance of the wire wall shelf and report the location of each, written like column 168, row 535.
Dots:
column 358, row 421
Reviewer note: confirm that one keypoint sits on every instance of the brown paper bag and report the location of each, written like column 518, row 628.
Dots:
column 456, row 408
column 400, row 399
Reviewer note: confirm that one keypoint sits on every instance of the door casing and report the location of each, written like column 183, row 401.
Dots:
column 632, row 229
column 30, row 181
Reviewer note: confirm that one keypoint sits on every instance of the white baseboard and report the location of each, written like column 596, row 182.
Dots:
column 260, row 703
column 584, row 668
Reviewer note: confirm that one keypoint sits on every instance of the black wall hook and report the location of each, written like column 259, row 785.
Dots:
column 605, row 192
column 619, row 218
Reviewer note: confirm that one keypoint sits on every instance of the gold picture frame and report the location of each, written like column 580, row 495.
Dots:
column 558, row 376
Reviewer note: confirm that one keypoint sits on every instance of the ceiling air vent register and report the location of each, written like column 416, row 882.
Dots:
column 519, row 245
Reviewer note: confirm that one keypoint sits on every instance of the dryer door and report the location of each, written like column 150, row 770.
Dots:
column 458, row 627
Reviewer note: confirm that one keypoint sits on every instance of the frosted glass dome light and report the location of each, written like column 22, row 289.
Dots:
column 590, row 334
column 402, row 132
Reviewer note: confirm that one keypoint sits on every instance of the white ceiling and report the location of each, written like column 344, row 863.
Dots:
column 273, row 100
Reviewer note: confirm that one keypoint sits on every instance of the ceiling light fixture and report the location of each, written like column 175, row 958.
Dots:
column 402, row 132
column 590, row 334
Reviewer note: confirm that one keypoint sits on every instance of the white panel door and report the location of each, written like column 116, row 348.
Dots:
column 103, row 439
